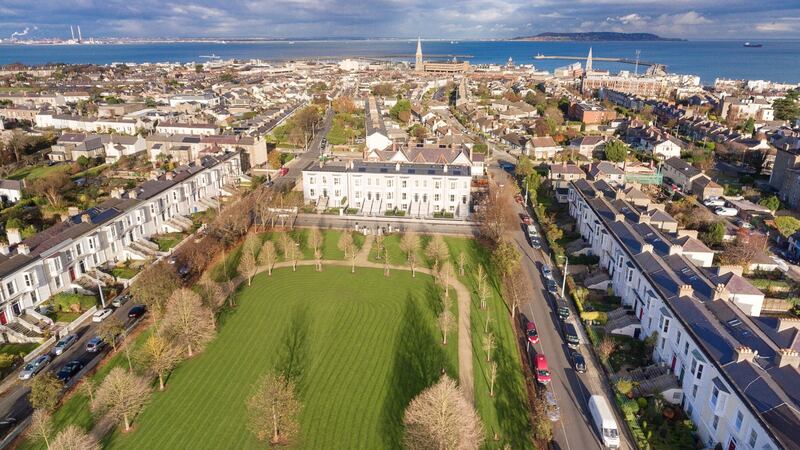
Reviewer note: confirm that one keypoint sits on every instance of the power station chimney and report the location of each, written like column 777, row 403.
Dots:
column 72, row 32
column 80, row 38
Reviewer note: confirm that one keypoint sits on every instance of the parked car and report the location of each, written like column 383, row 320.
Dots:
column 95, row 344
column 552, row 287
column 578, row 362
column 101, row 315
column 542, row 372
column 533, row 335
column 64, row 343
column 741, row 223
column 726, row 212
column 536, row 243
column 137, row 312
column 526, row 219
column 714, row 201
column 69, row 370
column 571, row 335
column 7, row 425
column 562, row 310
column 34, row 367
column 604, row 421
column 120, row 300
column 547, row 272
column 532, row 232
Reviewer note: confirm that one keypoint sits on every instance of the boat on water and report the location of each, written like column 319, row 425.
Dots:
column 752, row 45
column 211, row 56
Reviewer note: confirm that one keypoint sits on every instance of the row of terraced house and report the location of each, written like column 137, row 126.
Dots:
column 68, row 256
column 736, row 365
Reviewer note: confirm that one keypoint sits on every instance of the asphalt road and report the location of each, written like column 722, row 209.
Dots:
column 14, row 400
column 303, row 159
column 574, row 430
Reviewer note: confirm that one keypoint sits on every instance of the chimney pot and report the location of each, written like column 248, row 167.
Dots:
column 23, row 249
column 788, row 357
column 4, row 249
column 745, row 354
column 85, row 218
column 685, row 290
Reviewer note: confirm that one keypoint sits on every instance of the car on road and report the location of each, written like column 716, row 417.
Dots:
column 714, row 201
column 604, row 421
column 541, row 369
column 526, row 219
column 547, row 272
column 552, row 287
column 571, row 335
column 532, row 231
column 726, row 212
column 34, row 367
column 64, row 343
column 95, row 344
column 283, row 171
column 7, row 425
column 562, row 310
column 536, row 243
column 533, row 335
column 743, row 224
column 137, row 312
column 69, row 370
column 578, row 362
column 101, row 314
column 122, row 299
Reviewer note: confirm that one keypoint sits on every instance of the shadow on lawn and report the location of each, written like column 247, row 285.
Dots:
column 510, row 402
column 418, row 363
column 293, row 352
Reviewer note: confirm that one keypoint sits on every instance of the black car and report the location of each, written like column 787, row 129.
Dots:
column 69, row 370
column 7, row 425
column 137, row 312
column 552, row 287
column 535, row 243
column 578, row 362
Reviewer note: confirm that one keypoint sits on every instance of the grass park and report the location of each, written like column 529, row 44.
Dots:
column 359, row 346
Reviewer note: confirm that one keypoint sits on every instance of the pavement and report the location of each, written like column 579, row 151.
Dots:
column 575, row 429
column 14, row 400
column 392, row 224
column 302, row 160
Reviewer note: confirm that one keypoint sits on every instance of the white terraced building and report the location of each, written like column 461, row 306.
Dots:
column 737, row 367
column 419, row 190
column 66, row 257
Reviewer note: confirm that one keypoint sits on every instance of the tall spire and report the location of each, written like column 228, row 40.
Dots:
column 589, row 62
column 419, row 66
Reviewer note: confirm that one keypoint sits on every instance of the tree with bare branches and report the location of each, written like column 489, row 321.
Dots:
column 41, row 427
column 409, row 244
column 52, row 187
column 74, row 438
column 348, row 245
column 45, row 391
column 290, row 250
column 121, row 396
column 212, row 294
column 188, row 322
column 274, row 410
column 494, row 212
column 88, row 387
column 159, row 356
column 512, row 291
column 489, row 345
column 606, row 348
column 446, row 319
column 268, row 256
column 110, row 330
column 483, row 287
column 437, row 251
column 386, row 265
column 446, row 277
column 440, row 417
column 251, row 245
column 505, row 258
column 492, row 377
column 314, row 241
column 247, row 266
column 154, row 286
column 462, row 262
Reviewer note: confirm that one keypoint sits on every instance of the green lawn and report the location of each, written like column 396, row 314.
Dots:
column 168, row 240
column 124, row 272
column 17, row 349
column 359, row 345
column 31, row 173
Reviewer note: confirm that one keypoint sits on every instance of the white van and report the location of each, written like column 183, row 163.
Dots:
column 604, row 421
column 532, row 233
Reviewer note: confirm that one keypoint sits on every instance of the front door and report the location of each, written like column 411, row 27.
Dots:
column 72, row 275
column 732, row 444
column 3, row 319
column 672, row 366
column 15, row 308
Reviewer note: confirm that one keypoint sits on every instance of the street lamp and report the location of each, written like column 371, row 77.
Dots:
column 564, row 279
column 102, row 298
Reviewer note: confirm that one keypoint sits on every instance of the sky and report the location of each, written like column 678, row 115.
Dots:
column 462, row 19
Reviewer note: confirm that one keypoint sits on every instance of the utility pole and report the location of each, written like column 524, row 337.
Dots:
column 564, row 279
column 102, row 298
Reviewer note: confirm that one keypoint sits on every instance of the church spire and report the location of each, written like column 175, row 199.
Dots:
column 589, row 62
column 419, row 66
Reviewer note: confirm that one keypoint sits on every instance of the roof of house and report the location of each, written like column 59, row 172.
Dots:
column 683, row 167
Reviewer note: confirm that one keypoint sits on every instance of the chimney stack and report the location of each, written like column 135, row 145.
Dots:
column 675, row 249
column 720, row 292
column 23, row 249
column 86, row 218
column 133, row 194
column 647, row 248
column 644, row 218
column 14, row 236
column 788, row 357
column 685, row 290
column 4, row 249
column 744, row 354
column 619, row 217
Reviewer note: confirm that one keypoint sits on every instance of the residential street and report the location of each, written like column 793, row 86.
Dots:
column 575, row 430
column 297, row 165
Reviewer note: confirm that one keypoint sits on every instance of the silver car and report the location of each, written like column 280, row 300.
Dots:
column 34, row 367
column 65, row 343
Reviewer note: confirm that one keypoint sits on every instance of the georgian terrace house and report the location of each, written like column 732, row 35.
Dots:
column 737, row 372
column 66, row 257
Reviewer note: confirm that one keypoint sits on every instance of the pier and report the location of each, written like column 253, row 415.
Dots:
column 654, row 65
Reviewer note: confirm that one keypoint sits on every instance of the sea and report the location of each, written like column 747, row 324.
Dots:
column 776, row 60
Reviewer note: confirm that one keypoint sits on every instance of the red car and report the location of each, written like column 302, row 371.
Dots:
column 283, row 171
column 526, row 219
column 542, row 372
column 533, row 335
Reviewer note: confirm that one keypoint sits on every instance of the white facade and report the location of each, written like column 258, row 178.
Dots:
column 64, row 122
column 419, row 190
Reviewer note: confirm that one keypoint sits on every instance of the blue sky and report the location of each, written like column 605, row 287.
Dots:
column 692, row 19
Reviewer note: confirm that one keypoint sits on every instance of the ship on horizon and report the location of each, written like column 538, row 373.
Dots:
column 752, row 45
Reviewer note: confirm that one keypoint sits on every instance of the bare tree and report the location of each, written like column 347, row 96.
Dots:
column 41, row 427
column 494, row 212
column 446, row 319
column 267, row 256
column 88, row 387
column 74, row 438
column 159, row 356
column 315, row 242
column 512, row 289
column 440, row 417
column 121, row 396
column 437, row 251
column 606, row 348
column 446, row 277
column 154, row 286
column 52, row 187
column 483, row 287
column 489, row 345
column 409, row 244
column 188, row 322
column 247, row 266
column 379, row 245
column 290, row 250
column 505, row 258
column 251, row 245
column 348, row 246
column 274, row 410
column 110, row 330
column 386, row 265
column 212, row 293
column 45, row 391
column 462, row 262
column 492, row 377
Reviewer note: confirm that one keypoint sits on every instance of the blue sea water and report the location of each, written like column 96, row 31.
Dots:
column 777, row 60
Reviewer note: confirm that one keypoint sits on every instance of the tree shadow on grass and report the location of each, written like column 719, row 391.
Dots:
column 418, row 363
column 434, row 294
column 292, row 357
column 510, row 401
